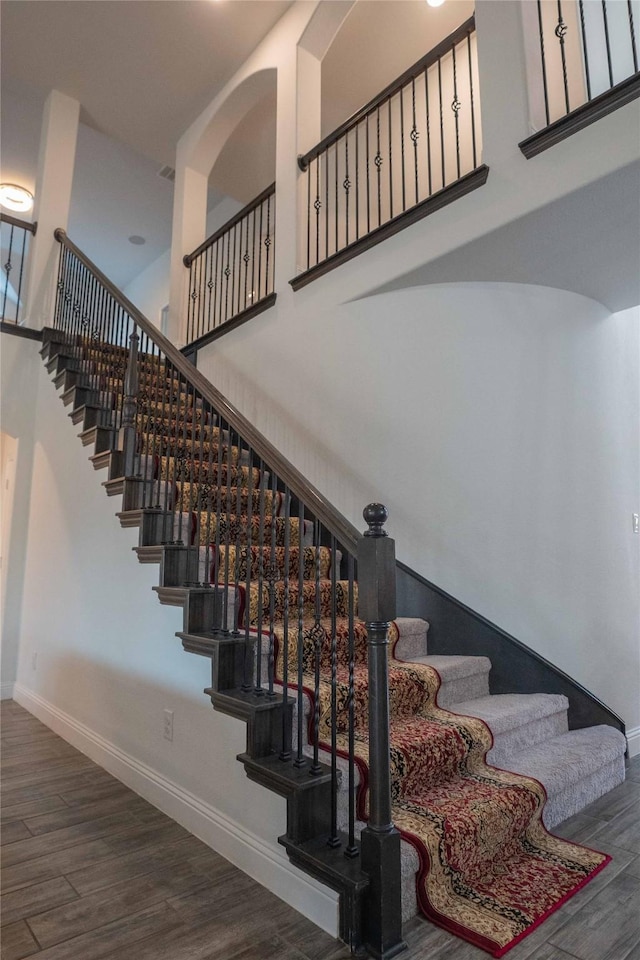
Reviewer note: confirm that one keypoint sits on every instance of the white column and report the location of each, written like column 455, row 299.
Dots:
column 189, row 230
column 52, row 202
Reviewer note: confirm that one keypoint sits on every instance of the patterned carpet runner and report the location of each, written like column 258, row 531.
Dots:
column 489, row 870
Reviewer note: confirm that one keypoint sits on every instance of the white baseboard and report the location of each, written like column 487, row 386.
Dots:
column 244, row 849
column 633, row 739
column 6, row 690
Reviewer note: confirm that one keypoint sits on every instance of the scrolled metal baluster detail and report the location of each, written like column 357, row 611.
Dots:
column 561, row 31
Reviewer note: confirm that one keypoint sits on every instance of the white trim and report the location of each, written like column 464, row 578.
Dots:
column 250, row 853
column 6, row 690
column 633, row 740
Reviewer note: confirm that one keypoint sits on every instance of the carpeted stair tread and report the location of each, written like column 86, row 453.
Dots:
column 504, row 711
column 463, row 678
column 575, row 768
column 570, row 756
column 517, row 720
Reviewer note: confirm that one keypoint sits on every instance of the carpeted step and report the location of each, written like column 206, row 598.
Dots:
column 517, row 721
column 575, row 769
column 228, row 528
column 185, row 469
column 462, row 678
column 200, row 496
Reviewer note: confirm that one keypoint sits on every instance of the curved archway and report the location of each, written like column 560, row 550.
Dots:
column 228, row 116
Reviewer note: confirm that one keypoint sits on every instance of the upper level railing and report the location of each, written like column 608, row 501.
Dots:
column 256, row 536
column 15, row 235
column 585, row 65
column 231, row 273
column 394, row 157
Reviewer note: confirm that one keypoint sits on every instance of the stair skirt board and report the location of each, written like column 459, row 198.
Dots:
column 487, row 868
column 266, row 864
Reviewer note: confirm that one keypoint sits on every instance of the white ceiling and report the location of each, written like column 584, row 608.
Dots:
column 142, row 71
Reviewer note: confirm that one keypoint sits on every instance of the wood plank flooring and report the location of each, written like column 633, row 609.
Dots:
column 91, row 871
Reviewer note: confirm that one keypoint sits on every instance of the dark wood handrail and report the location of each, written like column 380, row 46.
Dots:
column 190, row 257
column 299, row 486
column 419, row 67
column 15, row 222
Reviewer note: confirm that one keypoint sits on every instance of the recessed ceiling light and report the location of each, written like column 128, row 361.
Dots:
column 435, row 3
column 137, row 241
column 16, row 198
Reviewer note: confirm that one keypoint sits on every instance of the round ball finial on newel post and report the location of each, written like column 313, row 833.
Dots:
column 375, row 516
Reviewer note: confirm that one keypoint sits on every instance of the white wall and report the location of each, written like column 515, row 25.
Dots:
column 150, row 289
column 19, row 369
column 107, row 663
column 500, row 425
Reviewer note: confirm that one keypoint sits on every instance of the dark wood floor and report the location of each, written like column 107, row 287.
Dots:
column 90, row 870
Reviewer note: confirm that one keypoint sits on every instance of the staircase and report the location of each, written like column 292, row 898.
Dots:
column 266, row 574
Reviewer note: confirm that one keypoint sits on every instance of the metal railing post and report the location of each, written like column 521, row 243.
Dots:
column 128, row 442
column 380, row 841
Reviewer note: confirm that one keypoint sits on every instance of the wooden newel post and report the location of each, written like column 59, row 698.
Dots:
column 380, row 841
column 128, row 440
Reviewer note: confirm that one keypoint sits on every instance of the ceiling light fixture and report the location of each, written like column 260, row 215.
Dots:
column 15, row 198
column 137, row 241
column 435, row 3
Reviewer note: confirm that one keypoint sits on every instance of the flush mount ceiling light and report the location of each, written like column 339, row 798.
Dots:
column 137, row 241
column 16, row 198
column 435, row 3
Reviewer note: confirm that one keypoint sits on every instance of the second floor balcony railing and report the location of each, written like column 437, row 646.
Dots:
column 583, row 64
column 15, row 236
column 395, row 159
column 231, row 273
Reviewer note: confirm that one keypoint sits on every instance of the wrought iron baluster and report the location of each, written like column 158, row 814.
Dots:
column 254, row 257
column 227, row 274
column 307, row 174
column 227, row 530
column 326, row 203
column 285, row 753
column 473, row 115
column 245, row 259
column 259, row 286
column 455, row 106
column 261, row 525
column 273, row 578
column 357, row 180
column 444, row 179
column 414, row 136
column 402, row 151
column 632, row 34
column 217, row 599
column 347, row 186
column 428, row 125
column 584, row 48
column 368, row 178
column 267, row 243
column 300, row 760
column 560, row 32
column 318, row 637
column 352, row 850
column 543, row 62
column 334, row 839
column 317, row 205
column 8, row 266
column 605, row 21
column 390, row 122
column 337, row 202
column 234, row 272
column 247, row 685
column 378, row 162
